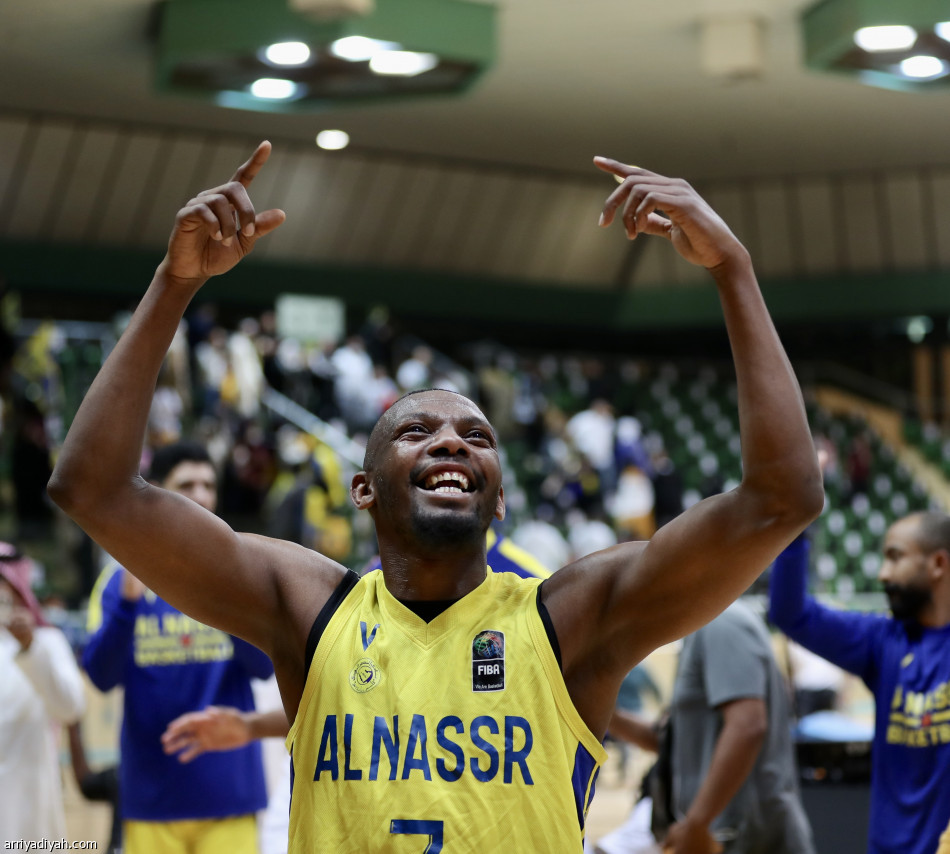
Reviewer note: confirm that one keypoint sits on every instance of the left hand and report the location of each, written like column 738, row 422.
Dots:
column 21, row 625
column 696, row 231
column 213, row 729
column 686, row 837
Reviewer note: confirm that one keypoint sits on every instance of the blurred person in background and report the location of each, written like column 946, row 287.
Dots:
column 903, row 660
column 592, row 432
column 101, row 785
column 415, row 372
column 40, row 688
column 731, row 764
column 667, row 488
column 169, row 664
column 221, row 729
column 637, row 685
column 30, row 466
column 817, row 683
column 353, row 376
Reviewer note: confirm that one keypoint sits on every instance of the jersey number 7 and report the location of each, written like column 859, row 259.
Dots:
column 432, row 829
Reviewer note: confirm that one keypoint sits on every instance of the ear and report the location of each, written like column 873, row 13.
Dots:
column 939, row 564
column 500, row 505
column 361, row 491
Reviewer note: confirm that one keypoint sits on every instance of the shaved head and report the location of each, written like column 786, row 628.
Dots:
column 385, row 423
column 933, row 531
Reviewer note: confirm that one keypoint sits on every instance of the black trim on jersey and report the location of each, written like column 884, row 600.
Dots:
column 428, row 609
column 326, row 612
column 549, row 629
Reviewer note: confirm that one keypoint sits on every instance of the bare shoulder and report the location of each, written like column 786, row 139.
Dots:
column 301, row 574
column 583, row 600
column 580, row 594
column 303, row 582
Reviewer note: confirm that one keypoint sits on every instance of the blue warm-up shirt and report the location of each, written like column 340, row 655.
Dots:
column 907, row 668
column 170, row 664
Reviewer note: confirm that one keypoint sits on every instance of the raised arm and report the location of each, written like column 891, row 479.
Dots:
column 614, row 607
column 844, row 638
column 111, row 627
column 246, row 585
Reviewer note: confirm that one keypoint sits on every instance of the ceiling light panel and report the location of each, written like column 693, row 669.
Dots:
column 418, row 47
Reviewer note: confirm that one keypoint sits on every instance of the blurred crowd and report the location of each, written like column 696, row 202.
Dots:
column 587, row 445
column 587, row 463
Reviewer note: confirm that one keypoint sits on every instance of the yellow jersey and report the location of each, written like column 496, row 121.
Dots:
column 456, row 735
column 944, row 847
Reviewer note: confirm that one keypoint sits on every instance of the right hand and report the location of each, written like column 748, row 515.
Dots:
column 686, row 837
column 696, row 231
column 21, row 626
column 131, row 589
column 218, row 227
column 214, row 729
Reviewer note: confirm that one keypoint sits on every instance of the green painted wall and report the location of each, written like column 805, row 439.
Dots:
column 71, row 271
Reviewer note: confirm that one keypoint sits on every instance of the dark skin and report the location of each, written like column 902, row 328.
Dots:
column 609, row 610
column 907, row 561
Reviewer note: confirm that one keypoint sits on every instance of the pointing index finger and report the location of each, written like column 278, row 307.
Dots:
column 247, row 171
column 616, row 168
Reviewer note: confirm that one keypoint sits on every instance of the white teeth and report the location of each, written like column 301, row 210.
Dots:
column 442, row 477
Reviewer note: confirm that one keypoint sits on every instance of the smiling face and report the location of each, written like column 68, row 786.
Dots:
column 432, row 472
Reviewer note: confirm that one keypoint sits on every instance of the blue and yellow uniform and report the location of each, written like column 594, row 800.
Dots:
column 169, row 664
column 505, row 556
column 502, row 556
column 456, row 735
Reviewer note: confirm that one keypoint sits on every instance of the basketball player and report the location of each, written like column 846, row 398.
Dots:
column 437, row 706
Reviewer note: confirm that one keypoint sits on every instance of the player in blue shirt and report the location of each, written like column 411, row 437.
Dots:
column 168, row 664
column 904, row 660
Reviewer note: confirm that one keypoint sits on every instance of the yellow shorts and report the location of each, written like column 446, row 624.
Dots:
column 236, row 835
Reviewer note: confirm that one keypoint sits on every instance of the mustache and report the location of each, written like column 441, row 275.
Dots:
column 907, row 601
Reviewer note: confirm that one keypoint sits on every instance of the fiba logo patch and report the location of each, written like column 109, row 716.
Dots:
column 364, row 676
column 488, row 661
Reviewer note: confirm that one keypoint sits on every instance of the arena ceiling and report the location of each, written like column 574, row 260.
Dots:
column 574, row 78
column 497, row 183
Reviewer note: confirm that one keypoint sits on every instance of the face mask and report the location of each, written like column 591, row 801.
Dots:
column 907, row 601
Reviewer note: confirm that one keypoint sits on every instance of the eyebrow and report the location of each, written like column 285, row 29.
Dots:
column 471, row 420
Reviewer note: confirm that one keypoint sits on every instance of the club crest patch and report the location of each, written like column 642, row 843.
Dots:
column 365, row 676
column 488, row 661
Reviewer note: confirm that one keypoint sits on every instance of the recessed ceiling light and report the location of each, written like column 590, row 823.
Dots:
column 360, row 48
column 273, row 89
column 333, row 140
column 895, row 37
column 287, row 53
column 923, row 67
column 403, row 63
column 943, row 30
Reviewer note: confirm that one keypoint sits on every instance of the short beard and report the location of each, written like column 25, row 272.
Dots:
column 448, row 530
column 907, row 601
